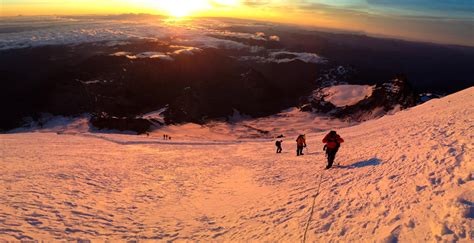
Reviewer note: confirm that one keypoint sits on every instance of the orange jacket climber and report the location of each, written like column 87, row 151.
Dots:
column 301, row 141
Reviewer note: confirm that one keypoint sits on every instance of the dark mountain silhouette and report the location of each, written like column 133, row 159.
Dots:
column 213, row 83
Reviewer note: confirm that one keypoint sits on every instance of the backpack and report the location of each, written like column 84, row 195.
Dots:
column 338, row 145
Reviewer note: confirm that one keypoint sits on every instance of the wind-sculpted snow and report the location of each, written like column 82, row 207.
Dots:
column 406, row 177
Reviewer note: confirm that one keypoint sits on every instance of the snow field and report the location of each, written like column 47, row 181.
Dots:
column 405, row 177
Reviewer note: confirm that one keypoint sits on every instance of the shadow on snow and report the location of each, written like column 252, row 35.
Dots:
column 360, row 164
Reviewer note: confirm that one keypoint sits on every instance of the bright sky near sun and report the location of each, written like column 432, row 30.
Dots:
column 447, row 21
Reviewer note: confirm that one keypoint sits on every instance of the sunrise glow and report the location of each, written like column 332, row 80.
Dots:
column 181, row 8
column 236, row 120
column 188, row 8
column 440, row 22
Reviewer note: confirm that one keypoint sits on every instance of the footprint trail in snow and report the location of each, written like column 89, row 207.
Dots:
column 406, row 177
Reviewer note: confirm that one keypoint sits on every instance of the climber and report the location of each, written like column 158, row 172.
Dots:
column 278, row 145
column 300, row 144
column 332, row 143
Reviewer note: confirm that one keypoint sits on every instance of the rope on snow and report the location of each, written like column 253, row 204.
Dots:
column 312, row 207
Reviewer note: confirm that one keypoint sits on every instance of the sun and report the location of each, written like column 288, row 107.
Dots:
column 185, row 8
column 178, row 12
column 182, row 8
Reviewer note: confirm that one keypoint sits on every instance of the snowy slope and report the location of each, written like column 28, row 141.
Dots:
column 406, row 177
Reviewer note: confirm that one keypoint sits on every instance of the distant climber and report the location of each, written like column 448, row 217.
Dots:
column 300, row 144
column 278, row 145
column 332, row 143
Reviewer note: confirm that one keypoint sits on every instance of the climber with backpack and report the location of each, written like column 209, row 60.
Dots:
column 300, row 144
column 332, row 144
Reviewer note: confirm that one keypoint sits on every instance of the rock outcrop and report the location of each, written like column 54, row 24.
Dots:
column 394, row 94
column 138, row 125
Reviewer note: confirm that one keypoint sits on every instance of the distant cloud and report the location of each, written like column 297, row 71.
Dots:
column 40, row 31
column 113, row 32
column 181, row 50
column 212, row 42
column 256, row 36
column 142, row 55
column 186, row 50
column 154, row 55
column 286, row 57
column 121, row 54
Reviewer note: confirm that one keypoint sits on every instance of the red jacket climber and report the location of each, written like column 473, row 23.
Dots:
column 332, row 139
column 333, row 142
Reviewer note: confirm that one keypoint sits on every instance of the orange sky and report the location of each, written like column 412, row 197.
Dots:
column 339, row 14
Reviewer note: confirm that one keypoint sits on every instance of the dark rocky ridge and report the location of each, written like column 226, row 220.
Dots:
column 137, row 125
column 71, row 80
column 212, row 83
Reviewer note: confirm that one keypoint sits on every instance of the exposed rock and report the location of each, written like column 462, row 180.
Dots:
column 186, row 108
column 254, row 94
column 138, row 125
column 306, row 108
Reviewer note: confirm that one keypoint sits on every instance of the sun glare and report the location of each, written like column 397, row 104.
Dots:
column 184, row 8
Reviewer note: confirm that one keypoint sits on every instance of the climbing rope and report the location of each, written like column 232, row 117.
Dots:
column 312, row 207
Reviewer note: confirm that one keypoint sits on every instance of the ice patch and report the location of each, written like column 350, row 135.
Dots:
column 347, row 95
column 156, row 115
column 274, row 38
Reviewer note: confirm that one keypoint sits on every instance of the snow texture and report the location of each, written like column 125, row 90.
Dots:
column 405, row 177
